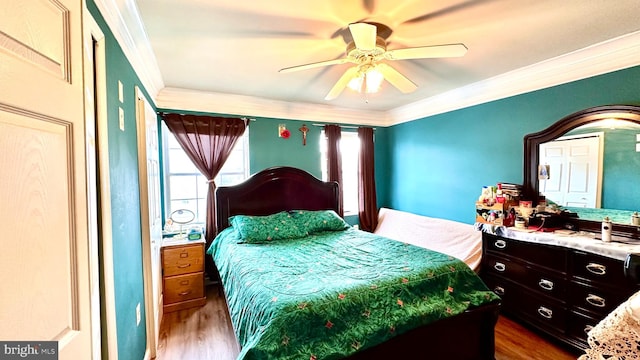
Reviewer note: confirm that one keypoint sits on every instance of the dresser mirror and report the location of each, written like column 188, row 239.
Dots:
column 613, row 193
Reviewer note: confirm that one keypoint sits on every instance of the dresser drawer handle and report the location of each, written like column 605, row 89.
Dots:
column 587, row 329
column 500, row 266
column 184, row 255
column 596, row 300
column 545, row 312
column 597, row 269
column 498, row 290
column 184, row 266
column 500, row 244
column 184, row 293
column 546, row 284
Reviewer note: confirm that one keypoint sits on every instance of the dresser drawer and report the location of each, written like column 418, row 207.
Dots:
column 544, row 282
column 502, row 266
column 183, row 259
column 597, row 268
column 183, row 287
column 595, row 300
column 579, row 326
column 542, row 311
column 503, row 288
column 551, row 257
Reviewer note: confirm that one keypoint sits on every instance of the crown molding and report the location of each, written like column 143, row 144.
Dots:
column 193, row 100
column 134, row 42
column 615, row 54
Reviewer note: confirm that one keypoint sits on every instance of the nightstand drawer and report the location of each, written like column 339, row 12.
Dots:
column 182, row 260
column 183, row 287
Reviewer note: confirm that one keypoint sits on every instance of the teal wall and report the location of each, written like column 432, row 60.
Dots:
column 125, row 198
column 438, row 165
column 267, row 149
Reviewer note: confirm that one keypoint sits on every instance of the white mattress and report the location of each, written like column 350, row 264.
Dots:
column 446, row 236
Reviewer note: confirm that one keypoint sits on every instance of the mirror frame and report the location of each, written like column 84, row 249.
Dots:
column 532, row 156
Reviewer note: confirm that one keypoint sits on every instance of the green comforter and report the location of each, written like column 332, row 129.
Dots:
column 331, row 294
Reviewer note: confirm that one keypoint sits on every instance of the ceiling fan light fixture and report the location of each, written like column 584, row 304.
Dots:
column 368, row 82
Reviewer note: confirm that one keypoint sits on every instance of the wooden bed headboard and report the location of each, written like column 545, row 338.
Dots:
column 275, row 189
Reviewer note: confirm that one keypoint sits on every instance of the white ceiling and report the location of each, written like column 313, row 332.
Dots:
column 230, row 51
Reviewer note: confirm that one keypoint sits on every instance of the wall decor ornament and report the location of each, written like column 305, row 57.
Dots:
column 283, row 132
column 304, row 130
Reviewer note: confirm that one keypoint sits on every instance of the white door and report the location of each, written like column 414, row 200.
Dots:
column 149, row 166
column 575, row 171
column 45, row 266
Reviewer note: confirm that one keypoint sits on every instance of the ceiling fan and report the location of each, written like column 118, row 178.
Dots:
column 367, row 51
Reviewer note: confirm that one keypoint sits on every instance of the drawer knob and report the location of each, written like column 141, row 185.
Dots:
column 184, row 293
column 587, row 329
column 596, row 268
column 546, row 284
column 596, row 300
column 500, row 244
column 545, row 312
column 184, row 266
column 500, row 266
column 498, row 290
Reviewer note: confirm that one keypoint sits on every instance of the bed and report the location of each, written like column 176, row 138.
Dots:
column 453, row 238
column 336, row 292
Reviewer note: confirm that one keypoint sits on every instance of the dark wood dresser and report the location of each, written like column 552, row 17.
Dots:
column 558, row 290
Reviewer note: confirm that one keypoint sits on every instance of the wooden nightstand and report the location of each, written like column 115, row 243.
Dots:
column 182, row 274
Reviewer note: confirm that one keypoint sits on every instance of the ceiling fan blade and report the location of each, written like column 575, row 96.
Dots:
column 369, row 5
column 336, row 90
column 314, row 65
column 364, row 35
column 424, row 52
column 445, row 11
column 396, row 79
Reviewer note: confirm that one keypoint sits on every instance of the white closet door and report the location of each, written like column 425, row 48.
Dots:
column 45, row 265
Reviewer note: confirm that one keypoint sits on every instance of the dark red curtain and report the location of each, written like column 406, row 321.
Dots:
column 367, row 202
column 334, row 158
column 208, row 142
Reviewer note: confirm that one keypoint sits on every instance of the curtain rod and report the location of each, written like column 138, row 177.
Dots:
column 162, row 113
column 343, row 126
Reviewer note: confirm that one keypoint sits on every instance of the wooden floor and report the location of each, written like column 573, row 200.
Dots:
column 206, row 334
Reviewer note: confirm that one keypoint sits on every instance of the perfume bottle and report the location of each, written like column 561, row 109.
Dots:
column 606, row 229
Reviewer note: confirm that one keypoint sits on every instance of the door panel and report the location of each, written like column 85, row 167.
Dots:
column 574, row 175
column 44, row 254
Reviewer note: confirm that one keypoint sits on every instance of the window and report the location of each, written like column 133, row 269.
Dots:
column 349, row 149
column 185, row 187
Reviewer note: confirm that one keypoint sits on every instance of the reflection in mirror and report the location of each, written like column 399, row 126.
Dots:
column 593, row 166
column 593, row 163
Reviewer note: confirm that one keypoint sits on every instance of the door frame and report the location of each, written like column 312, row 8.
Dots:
column 106, row 337
column 152, row 309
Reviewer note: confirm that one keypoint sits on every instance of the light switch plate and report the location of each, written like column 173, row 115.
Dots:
column 121, row 118
column 637, row 147
column 637, row 137
column 120, row 91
